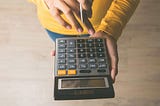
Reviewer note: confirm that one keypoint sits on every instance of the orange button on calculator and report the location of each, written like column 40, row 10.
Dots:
column 72, row 72
column 62, row 72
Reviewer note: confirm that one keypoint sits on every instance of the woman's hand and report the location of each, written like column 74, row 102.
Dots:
column 112, row 50
column 70, row 8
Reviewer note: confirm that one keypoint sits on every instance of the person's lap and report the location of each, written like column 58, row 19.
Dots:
column 54, row 35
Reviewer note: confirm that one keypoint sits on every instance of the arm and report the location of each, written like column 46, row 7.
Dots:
column 111, row 28
column 117, row 17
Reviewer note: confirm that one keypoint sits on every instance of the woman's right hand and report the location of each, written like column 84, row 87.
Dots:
column 69, row 8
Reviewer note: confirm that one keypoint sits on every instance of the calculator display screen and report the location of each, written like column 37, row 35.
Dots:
column 83, row 83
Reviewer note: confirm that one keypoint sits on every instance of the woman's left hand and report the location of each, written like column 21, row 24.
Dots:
column 112, row 51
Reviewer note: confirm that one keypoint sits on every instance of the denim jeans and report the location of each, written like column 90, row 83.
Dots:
column 54, row 35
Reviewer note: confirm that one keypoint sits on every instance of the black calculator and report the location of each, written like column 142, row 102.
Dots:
column 81, row 69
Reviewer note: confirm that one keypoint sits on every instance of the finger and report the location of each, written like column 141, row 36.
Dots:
column 113, row 54
column 69, row 14
column 87, row 23
column 114, row 70
column 56, row 14
column 53, row 53
column 73, row 4
column 113, row 74
column 92, row 36
column 87, row 6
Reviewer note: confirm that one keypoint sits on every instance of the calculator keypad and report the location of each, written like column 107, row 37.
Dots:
column 81, row 57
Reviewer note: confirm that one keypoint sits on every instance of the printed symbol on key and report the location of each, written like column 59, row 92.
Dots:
column 71, row 43
column 60, row 56
column 82, row 66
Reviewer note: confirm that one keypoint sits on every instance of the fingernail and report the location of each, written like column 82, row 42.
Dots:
column 79, row 30
column 68, row 27
column 53, row 53
column 91, row 32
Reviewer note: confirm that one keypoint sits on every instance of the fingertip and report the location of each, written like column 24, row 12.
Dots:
column 80, row 30
column 53, row 53
column 68, row 27
column 113, row 77
column 91, row 31
column 113, row 80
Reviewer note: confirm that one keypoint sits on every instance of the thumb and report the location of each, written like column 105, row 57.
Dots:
column 113, row 54
column 114, row 72
column 53, row 53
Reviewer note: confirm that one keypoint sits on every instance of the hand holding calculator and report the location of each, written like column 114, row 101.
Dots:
column 82, row 69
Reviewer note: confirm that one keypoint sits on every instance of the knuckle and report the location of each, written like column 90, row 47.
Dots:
column 86, row 4
column 55, row 14
column 116, row 73
column 63, row 23
column 75, row 23
column 83, row 1
column 68, row 11
column 56, row 3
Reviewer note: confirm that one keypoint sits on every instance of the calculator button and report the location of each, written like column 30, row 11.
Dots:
column 81, row 55
column 61, row 50
column 71, row 55
column 72, row 72
column 62, row 72
column 71, row 60
column 82, row 60
column 101, row 70
column 91, row 55
column 92, row 60
column 100, row 55
column 61, row 56
column 93, row 65
column 82, row 66
column 99, row 45
column 101, row 60
column 61, row 45
column 102, row 65
column 71, row 50
column 85, row 71
column 99, row 40
column 91, row 50
column 90, row 45
column 71, row 66
column 81, row 45
column 62, row 61
column 71, row 43
column 61, row 41
column 100, row 49
column 61, row 66
column 80, row 40
column 90, row 40
column 81, row 50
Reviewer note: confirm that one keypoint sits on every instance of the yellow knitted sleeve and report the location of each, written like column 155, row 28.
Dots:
column 117, row 16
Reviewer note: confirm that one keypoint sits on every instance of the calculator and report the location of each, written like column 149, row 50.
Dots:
column 81, row 69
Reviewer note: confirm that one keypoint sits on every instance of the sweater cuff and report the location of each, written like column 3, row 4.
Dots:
column 111, row 27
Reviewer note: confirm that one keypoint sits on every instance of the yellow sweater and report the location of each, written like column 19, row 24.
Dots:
column 109, row 16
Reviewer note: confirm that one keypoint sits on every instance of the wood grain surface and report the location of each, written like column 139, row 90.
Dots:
column 26, row 65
